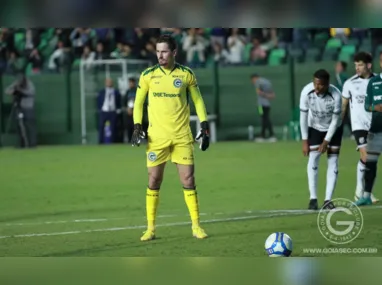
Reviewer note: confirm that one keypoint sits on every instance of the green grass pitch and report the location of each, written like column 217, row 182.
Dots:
column 90, row 201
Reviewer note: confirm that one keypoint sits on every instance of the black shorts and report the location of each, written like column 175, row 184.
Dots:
column 315, row 138
column 360, row 138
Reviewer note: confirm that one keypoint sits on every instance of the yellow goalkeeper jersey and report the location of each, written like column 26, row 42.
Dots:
column 169, row 93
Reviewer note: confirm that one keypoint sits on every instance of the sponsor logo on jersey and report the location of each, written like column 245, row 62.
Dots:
column 178, row 83
column 360, row 99
column 167, row 95
column 156, row 76
column 321, row 115
column 378, row 97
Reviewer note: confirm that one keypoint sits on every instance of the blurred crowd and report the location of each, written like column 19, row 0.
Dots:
column 164, row 13
column 52, row 49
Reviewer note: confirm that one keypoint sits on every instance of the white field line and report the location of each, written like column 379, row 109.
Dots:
column 144, row 226
column 266, row 214
column 97, row 220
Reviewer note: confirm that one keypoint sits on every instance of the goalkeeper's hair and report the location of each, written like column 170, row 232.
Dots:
column 365, row 57
column 170, row 41
column 322, row 74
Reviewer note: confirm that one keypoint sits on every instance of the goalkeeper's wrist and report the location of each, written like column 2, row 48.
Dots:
column 137, row 126
column 204, row 125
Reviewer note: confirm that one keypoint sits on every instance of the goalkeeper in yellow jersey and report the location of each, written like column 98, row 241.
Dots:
column 169, row 87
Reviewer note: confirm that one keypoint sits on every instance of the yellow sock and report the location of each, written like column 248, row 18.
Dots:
column 152, row 199
column 191, row 198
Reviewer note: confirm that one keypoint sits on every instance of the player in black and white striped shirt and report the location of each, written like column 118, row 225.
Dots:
column 320, row 119
column 354, row 93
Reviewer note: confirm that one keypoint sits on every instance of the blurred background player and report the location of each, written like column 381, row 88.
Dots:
column 340, row 78
column 354, row 91
column 320, row 110
column 341, row 75
column 128, row 104
column 168, row 85
column 373, row 104
column 108, row 105
column 265, row 94
column 23, row 92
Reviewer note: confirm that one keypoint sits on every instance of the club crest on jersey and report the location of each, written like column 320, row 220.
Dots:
column 177, row 83
column 152, row 156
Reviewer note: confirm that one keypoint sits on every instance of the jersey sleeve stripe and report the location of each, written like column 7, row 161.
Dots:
column 150, row 69
column 185, row 68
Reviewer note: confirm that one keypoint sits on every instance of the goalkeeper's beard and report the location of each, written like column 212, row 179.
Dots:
column 166, row 63
column 162, row 62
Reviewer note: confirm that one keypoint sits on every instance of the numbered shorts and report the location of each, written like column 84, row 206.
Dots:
column 315, row 138
column 374, row 142
column 360, row 137
column 179, row 150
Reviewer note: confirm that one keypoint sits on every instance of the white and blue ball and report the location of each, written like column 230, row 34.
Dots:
column 278, row 245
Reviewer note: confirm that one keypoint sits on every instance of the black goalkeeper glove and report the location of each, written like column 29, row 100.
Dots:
column 204, row 136
column 138, row 134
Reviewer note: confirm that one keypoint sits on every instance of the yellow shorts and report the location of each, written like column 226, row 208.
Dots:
column 180, row 150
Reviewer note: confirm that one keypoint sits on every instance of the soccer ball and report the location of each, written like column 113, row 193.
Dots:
column 278, row 245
